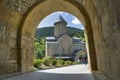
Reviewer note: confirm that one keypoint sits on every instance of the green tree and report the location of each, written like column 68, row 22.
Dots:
column 39, row 47
column 79, row 35
column 38, row 54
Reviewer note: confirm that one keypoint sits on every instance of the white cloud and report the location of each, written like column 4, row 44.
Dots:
column 60, row 12
column 75, row 21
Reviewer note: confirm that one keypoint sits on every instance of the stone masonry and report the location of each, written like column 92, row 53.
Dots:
column 61, row 43
column 19, row 20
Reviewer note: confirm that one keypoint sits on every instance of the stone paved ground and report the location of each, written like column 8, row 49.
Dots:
column 76, row 72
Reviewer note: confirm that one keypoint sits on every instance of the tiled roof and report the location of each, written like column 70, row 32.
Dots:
column 60, row 19
column 76, row 40
column 47, row 38
column 51, row 39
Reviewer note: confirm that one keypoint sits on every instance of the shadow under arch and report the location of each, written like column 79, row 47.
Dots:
column 31, row 20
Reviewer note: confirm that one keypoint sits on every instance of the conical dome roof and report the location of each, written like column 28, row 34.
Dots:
column 60, row 19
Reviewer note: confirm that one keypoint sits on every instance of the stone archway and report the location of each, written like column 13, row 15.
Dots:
column 19, row 18
column 36, row 14
column 79, row 54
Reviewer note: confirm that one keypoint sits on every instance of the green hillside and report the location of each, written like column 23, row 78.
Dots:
column 49, row 31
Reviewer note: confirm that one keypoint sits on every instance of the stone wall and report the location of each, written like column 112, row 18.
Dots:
column 51, row 48
column 100, row 19
column 65, row 44
column 8, row 39
column 78, row 46
column 107, row 45
column 21, row 6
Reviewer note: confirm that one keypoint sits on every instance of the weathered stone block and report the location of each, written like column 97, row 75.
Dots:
column 12, row 54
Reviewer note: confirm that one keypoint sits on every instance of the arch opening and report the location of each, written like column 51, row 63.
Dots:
column 47, row 45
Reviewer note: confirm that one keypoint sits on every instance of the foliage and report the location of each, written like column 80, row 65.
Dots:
column 38, row 54
column 39, row 48
column 60, row 62
column 68, row 62
column 74, row 63
column 49, row 31
column 49, row 61
column 60, row 57
column 50, row 57
column 78, row 34
column 54, row 62
column 37, row 62
column 46, row 61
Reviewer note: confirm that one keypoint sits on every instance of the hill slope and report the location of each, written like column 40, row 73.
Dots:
column 49, row 31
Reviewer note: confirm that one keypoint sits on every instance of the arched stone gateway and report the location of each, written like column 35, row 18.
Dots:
column 19, row 19
column 80, row 54
column 41, row 10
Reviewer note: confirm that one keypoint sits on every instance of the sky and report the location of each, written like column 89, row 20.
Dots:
column 69, row 18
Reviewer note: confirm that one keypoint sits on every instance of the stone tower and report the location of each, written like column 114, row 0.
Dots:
column 60, row 27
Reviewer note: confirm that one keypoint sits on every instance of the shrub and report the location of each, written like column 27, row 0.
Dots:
column 68, row 62
column 60, row 62
column 37, row 62
column 38, row 54
column 54, row 62
column 46, row 61
column 49, row 57
column 74, row 63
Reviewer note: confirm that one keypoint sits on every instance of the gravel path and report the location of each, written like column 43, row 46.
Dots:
column 75, row 72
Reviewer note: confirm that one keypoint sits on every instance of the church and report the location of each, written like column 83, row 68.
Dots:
column 61, row 44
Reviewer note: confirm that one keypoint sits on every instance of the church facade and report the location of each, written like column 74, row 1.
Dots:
column 62, row 44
